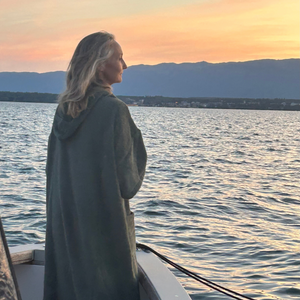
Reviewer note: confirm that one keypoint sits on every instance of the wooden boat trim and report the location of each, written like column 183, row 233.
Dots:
column 22, row 257
column 27, row 254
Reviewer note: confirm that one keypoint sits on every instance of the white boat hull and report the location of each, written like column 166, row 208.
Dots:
column 156, row 280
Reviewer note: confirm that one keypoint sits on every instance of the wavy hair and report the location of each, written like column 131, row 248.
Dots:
column 89, row 57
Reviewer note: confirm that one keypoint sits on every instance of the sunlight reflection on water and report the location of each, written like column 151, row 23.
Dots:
column 221, row 193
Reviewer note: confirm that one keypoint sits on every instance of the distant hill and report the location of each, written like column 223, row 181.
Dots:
column 252, row 79
column 50, row 82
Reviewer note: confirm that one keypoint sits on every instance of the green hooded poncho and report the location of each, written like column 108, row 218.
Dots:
column 95, row 162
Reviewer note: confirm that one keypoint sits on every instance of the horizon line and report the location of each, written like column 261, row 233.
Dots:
column 165, row 63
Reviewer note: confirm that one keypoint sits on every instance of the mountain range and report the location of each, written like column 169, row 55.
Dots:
column 252, row 79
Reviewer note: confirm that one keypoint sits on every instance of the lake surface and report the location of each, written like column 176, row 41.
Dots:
column 221, row 195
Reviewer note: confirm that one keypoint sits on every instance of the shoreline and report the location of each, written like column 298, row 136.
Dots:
column 160, row 101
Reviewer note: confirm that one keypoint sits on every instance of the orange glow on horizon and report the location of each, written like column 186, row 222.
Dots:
column 212, row 31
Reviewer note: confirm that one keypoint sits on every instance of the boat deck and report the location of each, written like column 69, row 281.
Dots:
column 156, row 281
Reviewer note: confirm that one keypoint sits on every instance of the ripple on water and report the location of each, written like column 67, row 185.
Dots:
column 220, row 197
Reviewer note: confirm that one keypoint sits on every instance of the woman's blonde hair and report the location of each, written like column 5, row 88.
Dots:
column 89, row 57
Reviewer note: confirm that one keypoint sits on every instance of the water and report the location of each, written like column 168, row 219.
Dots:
column 221, row 195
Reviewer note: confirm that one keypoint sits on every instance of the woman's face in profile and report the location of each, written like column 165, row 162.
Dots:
column 113, row 69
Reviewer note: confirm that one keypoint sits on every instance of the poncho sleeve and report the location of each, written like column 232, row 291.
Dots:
column 130, row 153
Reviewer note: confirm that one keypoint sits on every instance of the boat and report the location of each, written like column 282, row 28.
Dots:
column 22, row 274
column 156, row 280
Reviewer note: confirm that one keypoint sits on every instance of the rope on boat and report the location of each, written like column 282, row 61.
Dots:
column 193, row 275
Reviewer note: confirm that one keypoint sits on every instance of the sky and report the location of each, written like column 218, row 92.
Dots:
column 41, row 35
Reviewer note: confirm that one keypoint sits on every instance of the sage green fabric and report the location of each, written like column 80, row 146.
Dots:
column 95, row 162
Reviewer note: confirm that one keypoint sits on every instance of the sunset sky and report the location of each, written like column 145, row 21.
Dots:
column 41, row 35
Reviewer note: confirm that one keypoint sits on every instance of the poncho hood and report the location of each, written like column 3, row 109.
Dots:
column 64, row 126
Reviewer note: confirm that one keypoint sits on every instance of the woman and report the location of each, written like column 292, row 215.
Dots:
column 96, row 162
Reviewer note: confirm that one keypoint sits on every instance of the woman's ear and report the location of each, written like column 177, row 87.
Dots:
column 100, row 69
